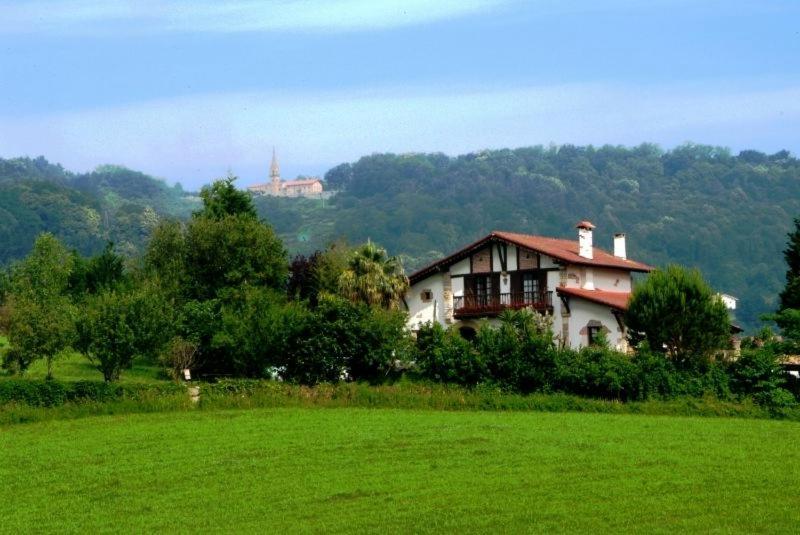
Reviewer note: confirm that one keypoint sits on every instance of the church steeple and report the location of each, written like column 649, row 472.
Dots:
column 274, row 168
column 275, row 174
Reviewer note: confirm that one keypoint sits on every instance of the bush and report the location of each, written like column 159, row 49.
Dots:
column 53, row 393
column 444, row 356
column 520, row 353
column 597, row 371
column 46, row 393
column 758, row 373
column 342, row 339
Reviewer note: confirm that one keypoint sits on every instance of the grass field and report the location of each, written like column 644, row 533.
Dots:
column 309, row 470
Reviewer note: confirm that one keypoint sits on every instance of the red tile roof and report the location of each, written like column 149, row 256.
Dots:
column 295, row 183
column 567, row 250
column 618, row 300
column 560, row 249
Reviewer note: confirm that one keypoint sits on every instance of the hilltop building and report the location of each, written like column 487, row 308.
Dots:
column 585, row 289
column 276, row 187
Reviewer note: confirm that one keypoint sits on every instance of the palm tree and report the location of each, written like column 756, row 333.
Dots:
column 373, row 277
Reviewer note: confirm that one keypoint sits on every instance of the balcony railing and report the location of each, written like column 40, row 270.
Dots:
column 491, row 305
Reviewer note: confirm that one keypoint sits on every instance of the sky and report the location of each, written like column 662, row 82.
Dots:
column 188, row 90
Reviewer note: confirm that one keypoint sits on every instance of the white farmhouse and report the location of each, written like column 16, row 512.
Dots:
column 586, row 289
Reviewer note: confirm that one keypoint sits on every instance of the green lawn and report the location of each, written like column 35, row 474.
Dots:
column 361, row 470
column 76, row 367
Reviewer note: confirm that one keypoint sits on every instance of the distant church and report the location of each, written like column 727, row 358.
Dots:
column 311, row 187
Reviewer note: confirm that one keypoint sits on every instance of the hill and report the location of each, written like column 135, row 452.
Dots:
column 84, row 210
column 695, row 205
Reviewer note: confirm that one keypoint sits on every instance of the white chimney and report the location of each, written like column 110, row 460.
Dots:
column 585, row 239
column 619, row 245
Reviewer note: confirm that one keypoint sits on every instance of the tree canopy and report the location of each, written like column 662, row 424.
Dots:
column 676, row 311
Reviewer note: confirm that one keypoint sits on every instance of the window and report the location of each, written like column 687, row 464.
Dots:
column 593, row 332
column 530, row 288
column 483, row 289
column 426, row 296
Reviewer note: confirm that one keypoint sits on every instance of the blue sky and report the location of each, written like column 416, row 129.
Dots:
column 187, row 90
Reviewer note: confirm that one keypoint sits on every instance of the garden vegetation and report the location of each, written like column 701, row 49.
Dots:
column 218, row 294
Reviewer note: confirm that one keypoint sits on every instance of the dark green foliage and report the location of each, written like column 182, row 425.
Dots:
column 221, row 199
column 41, row 317
column 520, row 353
column 100, row 272
column 676, row 310
column 790, row 296
column 84, row 211
column 34, row 393
column 599, row 372
column 225, row 253
column 106, row 333
column 342, row 339
column 695, row 205
column 256, row 331
column 758, row 373
column 444, row 356
column 52, row 393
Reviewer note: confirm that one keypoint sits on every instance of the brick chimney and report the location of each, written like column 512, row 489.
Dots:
column 619, row 245
column 585, row 239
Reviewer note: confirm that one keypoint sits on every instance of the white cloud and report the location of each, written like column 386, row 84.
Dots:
column 90, row 16
column 196, row 138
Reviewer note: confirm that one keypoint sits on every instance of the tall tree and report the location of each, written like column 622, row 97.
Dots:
column 222, row 199
column 790, row 296
column 373, row 277
column 676, row 311
column 41, row 318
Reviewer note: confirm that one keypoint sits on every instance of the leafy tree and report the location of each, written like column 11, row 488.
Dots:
column 106, row 335
column 520, row 352
column 790, row 296
column 45, row 272
column 165, row 256
column 39, row 329
column 374, row 278
column 675, row 309
column 103, row 271
column 222, row 199
column 232, row 251
column 41, row 318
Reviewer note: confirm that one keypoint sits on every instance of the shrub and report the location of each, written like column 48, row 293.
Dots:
column 178, row 355
column 520, row 353
column 444, row 356
column 47, row 393
column 758, row 372
column 596, row 371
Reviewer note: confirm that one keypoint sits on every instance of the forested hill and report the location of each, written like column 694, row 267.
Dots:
column 694, row 205
column 84, row 210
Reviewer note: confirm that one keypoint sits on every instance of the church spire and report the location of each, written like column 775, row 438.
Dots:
column 274, row 168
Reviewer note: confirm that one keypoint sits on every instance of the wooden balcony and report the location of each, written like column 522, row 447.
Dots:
column 478, row 306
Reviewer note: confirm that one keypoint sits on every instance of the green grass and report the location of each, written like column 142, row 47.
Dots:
column 356, row 470
column 73, row 366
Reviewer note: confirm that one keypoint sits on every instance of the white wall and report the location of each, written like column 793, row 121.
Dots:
column 582, row 312
column 546, row 262
column 612, row 280
column 420, row 312
column 460, row 268
column 512, row 258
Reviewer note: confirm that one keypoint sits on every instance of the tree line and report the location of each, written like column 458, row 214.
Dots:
column 217, row 294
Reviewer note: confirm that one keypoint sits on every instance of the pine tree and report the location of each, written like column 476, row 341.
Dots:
column 790, row 296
